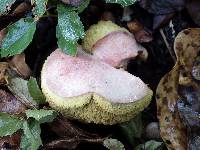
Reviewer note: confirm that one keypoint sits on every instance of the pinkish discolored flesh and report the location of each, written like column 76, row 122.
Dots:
column 68, row 76
column 116, row 47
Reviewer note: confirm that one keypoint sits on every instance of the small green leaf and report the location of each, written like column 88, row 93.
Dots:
column 69, row 29
column 132, row 129
column 113, row 144
column 150, row 145
column 19, row 36
column 35, row 91
column 4, row 4
column 31, row 139
column 122, row 2
column 40, row 7
column 9, row 124
column 41, row 115
column 19, row 88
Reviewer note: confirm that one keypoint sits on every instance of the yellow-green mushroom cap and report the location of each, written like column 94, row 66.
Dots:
column 98, row 31
column 91, row 91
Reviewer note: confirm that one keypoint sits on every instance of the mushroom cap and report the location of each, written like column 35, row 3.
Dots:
column 112, row 44
column 92, row 91
column 98, row 31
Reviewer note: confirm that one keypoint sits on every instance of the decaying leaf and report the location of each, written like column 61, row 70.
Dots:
column 171, row 91
column 140, row 33
column 2, row 35
column 3, row 68
column 9, row 104
column 19, row 88
column 18, row 64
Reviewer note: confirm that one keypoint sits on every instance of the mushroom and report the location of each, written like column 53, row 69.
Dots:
column 112, row 44
column 92, row 91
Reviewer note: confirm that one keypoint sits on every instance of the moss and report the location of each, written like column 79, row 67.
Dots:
column 98, row 31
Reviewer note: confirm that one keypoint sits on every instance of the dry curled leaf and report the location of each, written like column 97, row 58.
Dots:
column 170, row 91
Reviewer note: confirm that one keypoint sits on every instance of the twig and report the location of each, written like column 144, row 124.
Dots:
column 167, row 45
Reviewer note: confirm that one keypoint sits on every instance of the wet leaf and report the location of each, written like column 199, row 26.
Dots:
column 35, row 91
column 40, row 7
column 178, row 94
column 69, row 29
column 41, row 115
column 122, row 2
column 113, row 144
column 19, row 88
column 31, row 138
column 9, row 124
column 83, row 6
column 19, row 35
column 5, row 4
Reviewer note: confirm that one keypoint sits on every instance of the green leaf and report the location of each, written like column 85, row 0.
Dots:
column 68, row 47
column 132, row 129
column 83, row 6
column 40, row 7
column 4, row 4
column 35, row 91
column 150, row 145
column 41, row 115
column 69, row 29
column 9, row 124
column 19, row 88
column 113, row 144
column 19, row 36
column 122, row 2
column 31, row 139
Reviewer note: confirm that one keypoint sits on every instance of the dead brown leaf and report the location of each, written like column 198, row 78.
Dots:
column 3, row 68
column 138, row 30
column 173, row 131
column 19, row 65
column 21, row 9
column 2, row 35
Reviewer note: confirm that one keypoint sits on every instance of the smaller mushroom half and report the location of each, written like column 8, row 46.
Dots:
column 92, row 91
column 112, row 44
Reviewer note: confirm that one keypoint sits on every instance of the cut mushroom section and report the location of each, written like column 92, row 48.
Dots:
column 92, row 91
column 112, row 44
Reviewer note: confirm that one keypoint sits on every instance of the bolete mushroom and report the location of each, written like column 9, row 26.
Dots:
column 92, row 91
column 112, row 44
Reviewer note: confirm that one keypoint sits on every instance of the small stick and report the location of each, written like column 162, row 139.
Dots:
column 167, row 45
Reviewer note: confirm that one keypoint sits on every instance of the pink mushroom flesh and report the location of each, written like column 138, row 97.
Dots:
column 68, row 76
column 116, row 47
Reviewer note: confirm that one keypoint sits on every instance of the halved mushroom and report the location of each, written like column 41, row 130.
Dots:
column 92, row 91
column 112, row 44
